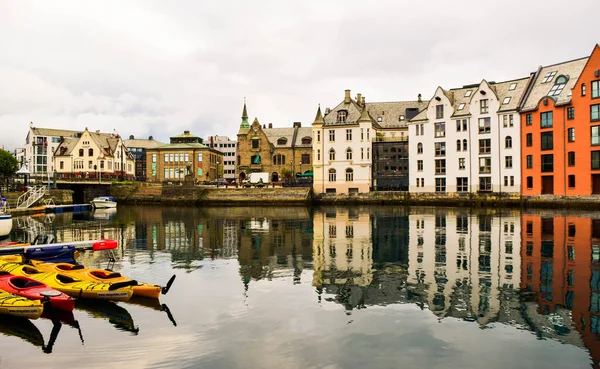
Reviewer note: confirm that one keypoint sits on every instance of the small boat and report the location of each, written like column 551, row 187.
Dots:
column 104, row 202
column 74, row 287
column 5, row 223
column 35, row 290
column 20, row 306
column 102, row 275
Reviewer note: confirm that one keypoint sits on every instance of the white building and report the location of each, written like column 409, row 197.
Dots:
column 468, row 140
column 39, row 148
column 228, row 147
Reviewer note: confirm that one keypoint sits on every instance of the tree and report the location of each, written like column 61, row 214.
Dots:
column 8, row 165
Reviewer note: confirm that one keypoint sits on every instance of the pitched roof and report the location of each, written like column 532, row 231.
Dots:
column 545, row 79
column 54, row 132
column 192, row 145
column 274, row 134
column 503, row 92
column 142, row 143
column 331, row 118
column 302, row 133
column 388, row 114
column 459, row 97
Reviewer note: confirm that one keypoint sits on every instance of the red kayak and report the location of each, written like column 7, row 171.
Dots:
column 34, row 290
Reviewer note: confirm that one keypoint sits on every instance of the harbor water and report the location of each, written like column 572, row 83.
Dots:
column 327, row 287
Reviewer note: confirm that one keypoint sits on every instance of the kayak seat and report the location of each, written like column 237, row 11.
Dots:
column 24, row 283
column 30, row 270
column 65, row 279
column 104, row 275
column 2, row 272
column 70, row 267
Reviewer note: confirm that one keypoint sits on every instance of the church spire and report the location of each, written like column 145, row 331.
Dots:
column 245, row 123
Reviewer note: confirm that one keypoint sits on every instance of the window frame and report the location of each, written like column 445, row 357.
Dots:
column 544, row 121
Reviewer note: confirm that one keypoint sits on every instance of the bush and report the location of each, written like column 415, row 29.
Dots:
column 122, row 183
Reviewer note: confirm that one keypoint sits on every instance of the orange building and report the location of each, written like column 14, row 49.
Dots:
column 561, row 267
column 558, row 137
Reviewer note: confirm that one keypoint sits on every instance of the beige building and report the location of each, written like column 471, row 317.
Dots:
column 273, row 150
column 93, row 155
column 185, row 154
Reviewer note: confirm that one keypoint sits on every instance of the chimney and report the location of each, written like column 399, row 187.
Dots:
column 131, row 137
column 359, row 99
column 297, row 124
column 327, row 110
column 347, row 97
column 419, row 98
column 186, row 132
column 31, row 124
column 363, row 101
column 151, row 138
column 270, row 125
column 264, row 126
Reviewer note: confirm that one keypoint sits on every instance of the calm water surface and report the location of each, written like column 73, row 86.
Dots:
column 359, row 287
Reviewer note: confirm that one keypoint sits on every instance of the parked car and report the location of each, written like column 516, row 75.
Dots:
column 219, row 182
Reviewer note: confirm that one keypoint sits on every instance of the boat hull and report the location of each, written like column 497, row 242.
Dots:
column 5, row 224
column 18, row 285
column 20, row 306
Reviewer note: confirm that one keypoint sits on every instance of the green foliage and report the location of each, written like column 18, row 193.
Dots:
column 287, row 173
column 8, row 164
column 122, row 183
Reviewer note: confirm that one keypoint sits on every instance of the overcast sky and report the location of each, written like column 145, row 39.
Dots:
column 161, row 67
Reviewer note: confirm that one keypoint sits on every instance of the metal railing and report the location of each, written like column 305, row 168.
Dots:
column 30, row 197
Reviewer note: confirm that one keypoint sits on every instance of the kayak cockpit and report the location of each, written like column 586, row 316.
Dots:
column 21, row 282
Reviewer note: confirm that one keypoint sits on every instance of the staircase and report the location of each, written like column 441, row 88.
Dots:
column 30, row 197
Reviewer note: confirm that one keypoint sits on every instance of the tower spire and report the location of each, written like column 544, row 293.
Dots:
column 244, row 123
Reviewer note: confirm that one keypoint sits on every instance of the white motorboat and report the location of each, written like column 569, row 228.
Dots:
column 104, row 202
column 5, row 218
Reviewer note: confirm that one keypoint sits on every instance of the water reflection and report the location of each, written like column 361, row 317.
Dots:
column 534, row 271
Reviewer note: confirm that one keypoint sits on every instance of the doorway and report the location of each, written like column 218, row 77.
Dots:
column 547, row 185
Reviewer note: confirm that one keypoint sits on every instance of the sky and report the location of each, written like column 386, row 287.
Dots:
column 161, row 67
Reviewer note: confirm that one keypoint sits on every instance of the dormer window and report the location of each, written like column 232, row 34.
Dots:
column 506, row 100
column 461, row 106
column 281, row 141
column 342, row 116
column 402, row 118
column 468, row 93
column 306, row 140
column 512, row 86
column 561, row 82
column 548, row 77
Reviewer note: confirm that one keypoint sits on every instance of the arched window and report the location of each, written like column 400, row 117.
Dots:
column 279, row 159
column 90, row 152
column 465, row 144
column 349, row 175
column 457, row 145
column 348, row 154
column 508, row 142
column 559, row 84
column 80, row 152
column 332, row 175
column 419, row 148
column 332, row 154
column 306, row 140
column 342, row 115
column 281, row 141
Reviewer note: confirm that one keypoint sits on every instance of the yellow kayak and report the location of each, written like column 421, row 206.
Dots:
column 75, row 287
column 20, row 306
column 100, row 275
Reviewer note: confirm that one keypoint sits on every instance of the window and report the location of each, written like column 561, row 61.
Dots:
column 485, row 146
column 368, row 150
column 342, row 115
column 511, row 120
column 465, row 144
column 547, row 140
column 485, row 165
column 80, row 152
column 420, row 165
column 529, row 139
column 529, row 182
column 281, row 141
column 349, row 175
column 458, row 145
column 505, row 121
column 508, row 142
column 548, row 163
column 462, row 184
column 506, row 100
column 439, row 112
column 278, row 159
column 318, row 136
column 485, row 125
column 331, row 175
column 512, row 86
column 332, row 154
column 461, row 163
column 571, row 113
column 546, row 119
column 90, row 152
column 529, row 161
column 461, row 125
column 62, row 164
column 318, row 154
column 440, row 166
column 348, row 154
column 571, row 180
column 571, row 158
column 362, row 153
column 171, row 159
column 461, row 106
column 595, row 113
column 402, row 118
column 419, row 148
column 468, row 93
column 348, row 135
column 595, row 89
column 559, row 85
column 331, row 135
column 368, row 130
column 484, row 106
column 440, row 185
column 440, row 129
column 595, row 159
column 305, row 159
column 595, row 135
column 255, row 144
column 583, row 89
column 548, row 77
column 485, row 183
column 571, row 134
column 528, row 119
column 440, row 149
column 508, row 161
